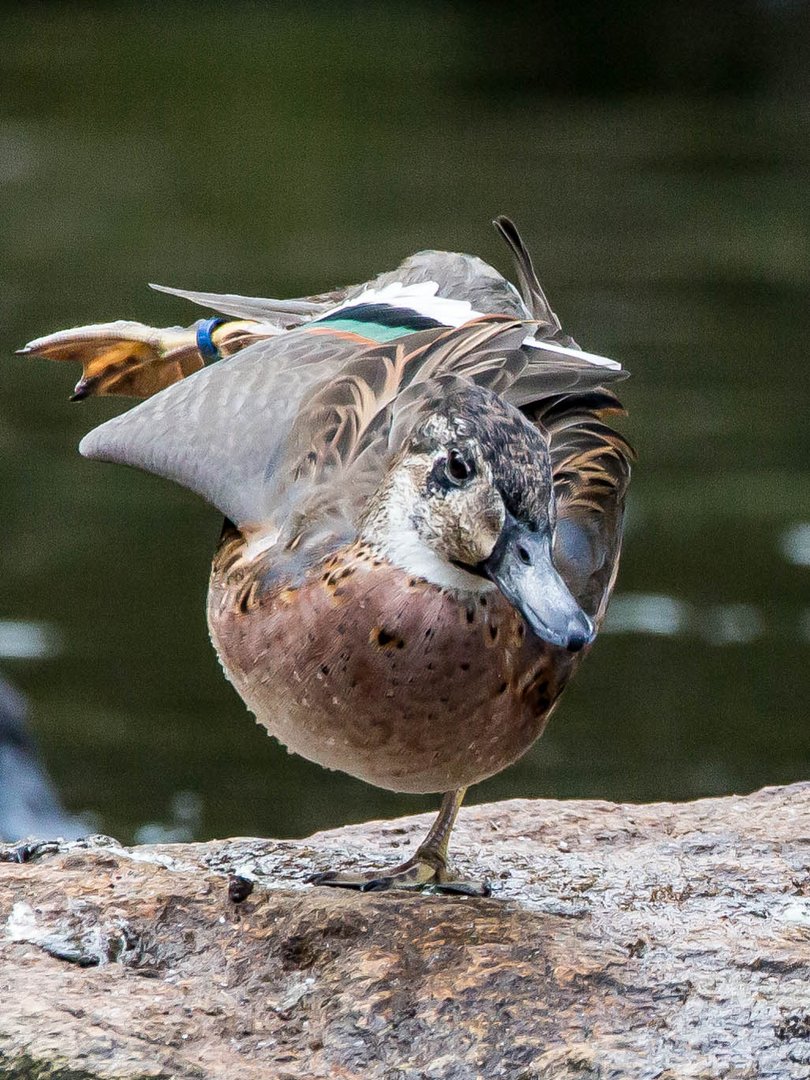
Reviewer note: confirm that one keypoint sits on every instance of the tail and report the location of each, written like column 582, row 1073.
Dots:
column 535, row 299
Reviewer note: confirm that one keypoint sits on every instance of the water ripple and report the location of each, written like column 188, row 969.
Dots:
column 646, row 613
column 795, row 544
column 666, row 616
column 24, row 640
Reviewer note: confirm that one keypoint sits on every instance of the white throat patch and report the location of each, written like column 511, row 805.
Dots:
column 392, row 533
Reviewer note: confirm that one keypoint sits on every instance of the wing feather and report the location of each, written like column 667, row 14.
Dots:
column 533, row 295
column 223, row 432
column 286, row 313
column 591, row 465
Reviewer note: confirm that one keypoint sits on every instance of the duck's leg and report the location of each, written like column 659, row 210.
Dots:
column 426, row 869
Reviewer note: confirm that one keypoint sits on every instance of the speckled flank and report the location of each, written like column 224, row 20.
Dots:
column 385, row 677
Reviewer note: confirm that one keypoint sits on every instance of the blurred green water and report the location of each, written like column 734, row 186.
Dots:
column 267, row 151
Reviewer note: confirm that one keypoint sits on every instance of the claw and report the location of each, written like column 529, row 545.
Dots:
column 460, row 888
column 338, row 881
column 379, row 884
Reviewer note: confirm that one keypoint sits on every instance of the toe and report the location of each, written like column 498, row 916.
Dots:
column 336, row 880
column 378, row 884
column 462, row 888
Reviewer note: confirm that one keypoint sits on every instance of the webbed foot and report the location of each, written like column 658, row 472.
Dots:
column 418, row 874
column 426, row 870
column 136, row 360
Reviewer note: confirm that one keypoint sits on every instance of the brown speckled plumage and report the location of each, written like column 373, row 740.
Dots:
column 394, row 680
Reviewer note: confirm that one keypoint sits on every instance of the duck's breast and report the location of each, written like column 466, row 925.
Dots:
column 364, row 669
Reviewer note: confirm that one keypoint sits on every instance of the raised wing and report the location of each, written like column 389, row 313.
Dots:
column 256, row 433
column 250, row 433
column 319, row 391
column 223, row 432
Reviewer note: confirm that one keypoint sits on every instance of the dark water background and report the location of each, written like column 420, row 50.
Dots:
column 266, row 150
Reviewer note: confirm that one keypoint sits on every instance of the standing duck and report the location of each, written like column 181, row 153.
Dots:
column 423, row 507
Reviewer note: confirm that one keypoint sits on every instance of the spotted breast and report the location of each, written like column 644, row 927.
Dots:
column 405, row 684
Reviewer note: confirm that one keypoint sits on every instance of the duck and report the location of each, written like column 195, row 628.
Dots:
column 422, row 494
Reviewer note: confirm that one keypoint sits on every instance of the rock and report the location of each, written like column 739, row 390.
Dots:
column 621, row 942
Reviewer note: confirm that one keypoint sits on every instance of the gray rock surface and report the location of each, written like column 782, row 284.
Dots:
column 663, row 942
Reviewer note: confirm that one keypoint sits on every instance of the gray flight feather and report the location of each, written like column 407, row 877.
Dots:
column 222, row 431
column 289, row 312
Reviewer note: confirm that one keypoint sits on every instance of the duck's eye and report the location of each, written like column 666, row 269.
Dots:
column 459, row 469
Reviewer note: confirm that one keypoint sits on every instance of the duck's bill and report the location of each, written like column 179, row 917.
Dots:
column 522, row 568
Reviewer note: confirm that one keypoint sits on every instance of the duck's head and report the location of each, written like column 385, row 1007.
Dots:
column 468, row 503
